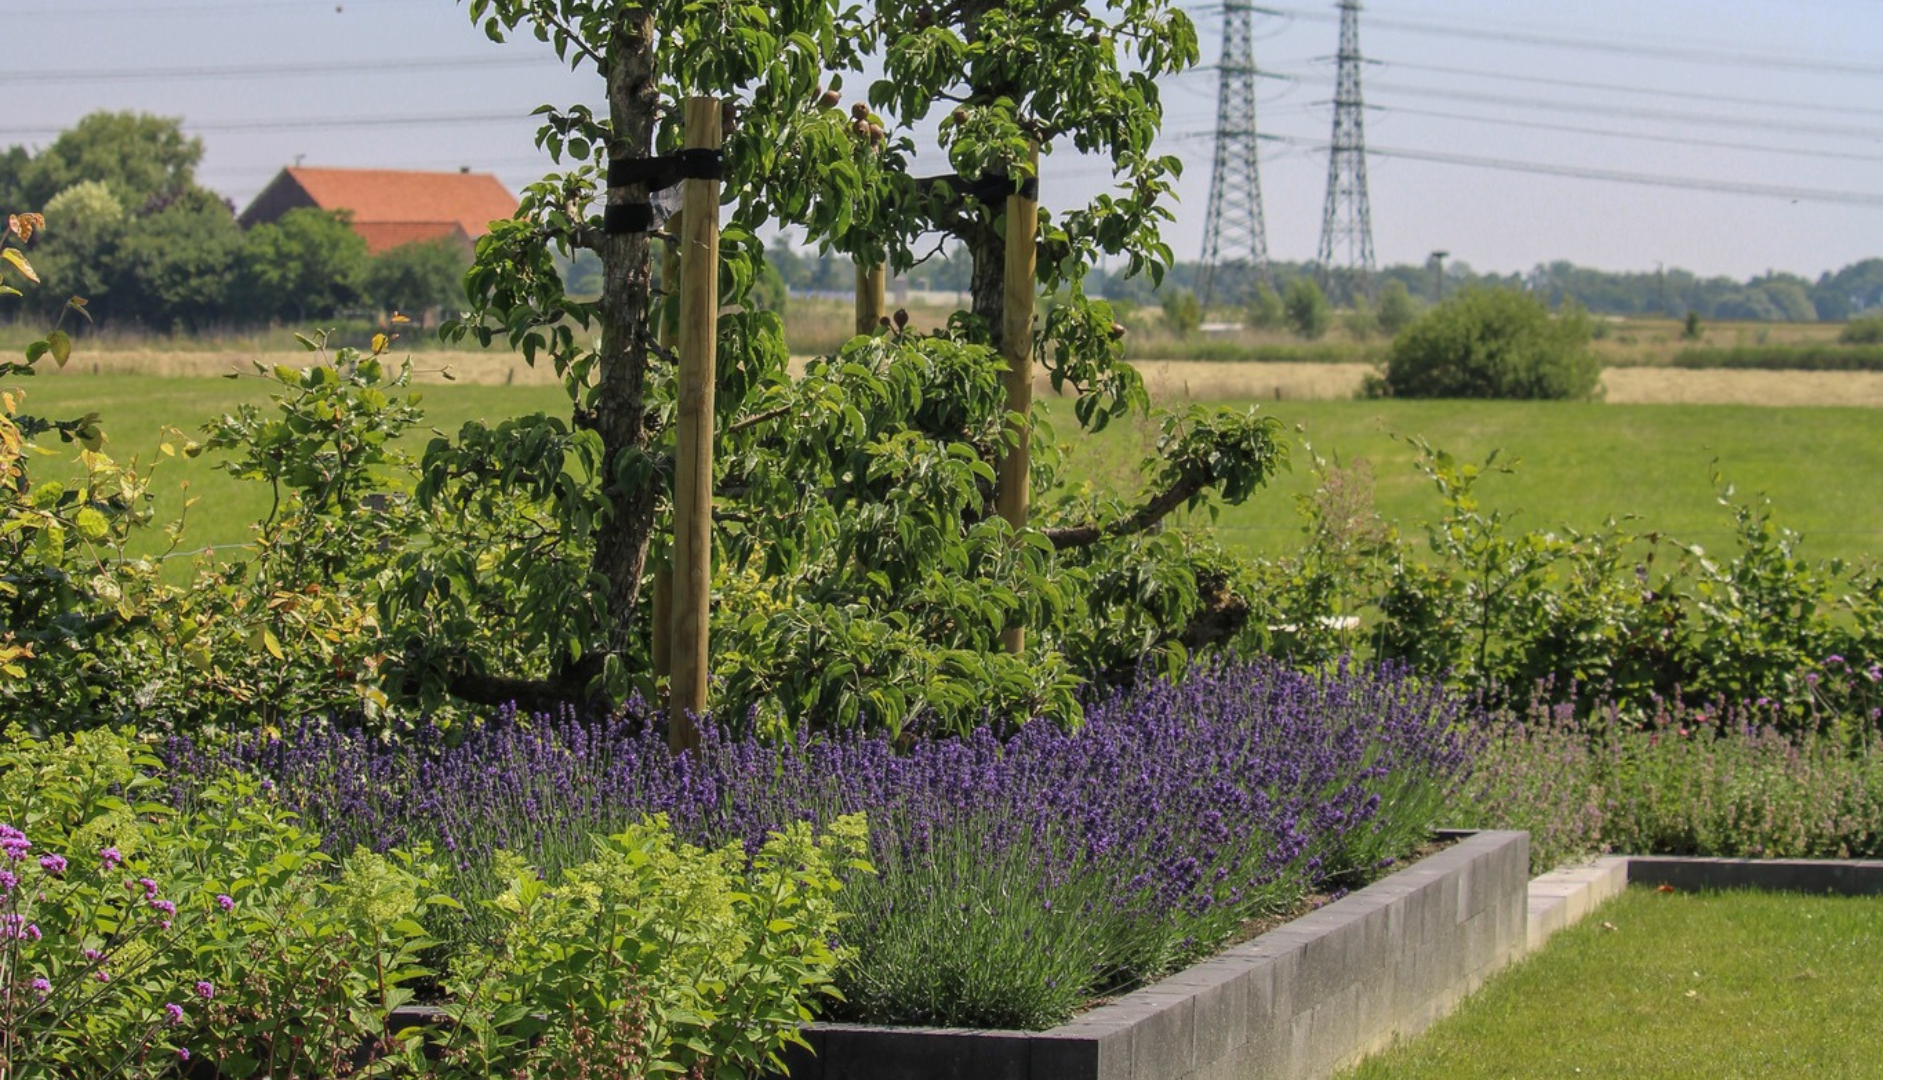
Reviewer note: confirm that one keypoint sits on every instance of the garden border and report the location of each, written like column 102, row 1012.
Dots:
column 1299, row 1001
column 1847, row 877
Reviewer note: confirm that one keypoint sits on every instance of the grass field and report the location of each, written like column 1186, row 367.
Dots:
column 1578, row 463
column 1746, row 985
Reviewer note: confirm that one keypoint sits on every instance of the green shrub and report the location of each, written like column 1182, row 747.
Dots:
column 1308, row 312
column 655, row 958
column 1494, row 343
column 1265, row 311
column 1396, row 310
column 1862, row 329
column 1182, row 311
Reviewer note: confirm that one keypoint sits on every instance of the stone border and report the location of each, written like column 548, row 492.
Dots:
column 1298, row 1002
column 1848, row 877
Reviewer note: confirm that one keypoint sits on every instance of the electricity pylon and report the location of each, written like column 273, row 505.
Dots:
column 1346, row 226
column 1236, row 219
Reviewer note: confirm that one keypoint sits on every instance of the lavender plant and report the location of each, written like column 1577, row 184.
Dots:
column 1016, row 878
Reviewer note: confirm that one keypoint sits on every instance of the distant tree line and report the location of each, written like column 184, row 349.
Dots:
column 130, row 229
column 1774, row 297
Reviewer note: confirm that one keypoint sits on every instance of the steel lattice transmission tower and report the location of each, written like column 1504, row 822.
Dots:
column 1236, row 218
column 1346, row 226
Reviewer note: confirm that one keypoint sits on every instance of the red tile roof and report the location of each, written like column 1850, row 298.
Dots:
column 392, row 207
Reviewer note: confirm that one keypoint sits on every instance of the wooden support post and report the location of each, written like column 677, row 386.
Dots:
column 693, row 445
column 1016, row 345
column 663, row 569
column 869, row 300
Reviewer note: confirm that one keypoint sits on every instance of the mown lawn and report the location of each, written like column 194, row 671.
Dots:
column 1746, row 985
column 1577, row 463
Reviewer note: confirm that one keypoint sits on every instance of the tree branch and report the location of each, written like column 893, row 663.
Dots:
column 1146, row 517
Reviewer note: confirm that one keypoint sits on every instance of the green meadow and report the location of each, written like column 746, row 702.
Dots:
column 1576, row 464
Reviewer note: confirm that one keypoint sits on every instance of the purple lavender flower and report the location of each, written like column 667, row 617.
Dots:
column 225, row 902
column 41, row 986
column 53, row 864
column 175, row 1014
column 204, row 989
column 109, row 858
column 13, row 842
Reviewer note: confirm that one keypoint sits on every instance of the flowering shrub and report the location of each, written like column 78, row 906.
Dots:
column 1015, row 879
column 143, row 936
column 1726, row 781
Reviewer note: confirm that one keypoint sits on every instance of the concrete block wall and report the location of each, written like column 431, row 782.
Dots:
column 1298, row 1002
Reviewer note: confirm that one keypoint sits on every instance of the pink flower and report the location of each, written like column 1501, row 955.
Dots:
column 109, row 858
column 175, row 1014
column 225, row 901
column 204, row 989
column 184, row 1055
column 53, row 864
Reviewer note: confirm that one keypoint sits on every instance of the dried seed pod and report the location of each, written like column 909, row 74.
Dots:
column 900, row 319
column 829, row 98
column 1119, row 332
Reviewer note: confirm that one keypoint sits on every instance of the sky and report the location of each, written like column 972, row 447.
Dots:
column 1478, row 111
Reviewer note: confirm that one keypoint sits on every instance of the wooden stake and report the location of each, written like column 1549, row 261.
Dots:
column 693, row 446
column 1016, row 345
column 663, row 567
column 869, row 300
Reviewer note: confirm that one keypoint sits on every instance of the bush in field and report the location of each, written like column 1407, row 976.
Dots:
column 1181, row 309
column 1264, row 309
column 1307, row 311
column 1396, row 309
column 1863, row 330
column 1493, row 343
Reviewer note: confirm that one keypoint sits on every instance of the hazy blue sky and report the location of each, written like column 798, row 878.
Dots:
column 1733, row 94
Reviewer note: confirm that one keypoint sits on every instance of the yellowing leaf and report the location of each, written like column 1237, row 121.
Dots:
column 379, row 343
column 20, row 263
column 61, row 346
column 272, row 643
column 91, row 523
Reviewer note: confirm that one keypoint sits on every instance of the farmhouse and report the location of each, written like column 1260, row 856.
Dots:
column 390, row 207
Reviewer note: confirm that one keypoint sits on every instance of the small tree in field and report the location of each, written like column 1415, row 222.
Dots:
column 864, row 576
column 1308, row 312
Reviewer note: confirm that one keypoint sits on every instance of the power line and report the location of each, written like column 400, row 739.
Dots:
column 1682, row 140
column 395, row 66
column 1727, row 187
column 1669, row 52
column 1826, row 130
column 311, row 122
column 1722, row 99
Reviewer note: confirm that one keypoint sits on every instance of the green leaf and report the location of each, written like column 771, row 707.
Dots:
column 60, row 345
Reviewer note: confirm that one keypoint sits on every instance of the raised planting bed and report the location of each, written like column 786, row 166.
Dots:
column 1299, row 1001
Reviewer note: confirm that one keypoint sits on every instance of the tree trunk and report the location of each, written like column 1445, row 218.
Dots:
column 620, row 543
